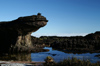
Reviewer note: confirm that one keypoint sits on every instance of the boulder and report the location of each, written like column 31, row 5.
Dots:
column 15, row 35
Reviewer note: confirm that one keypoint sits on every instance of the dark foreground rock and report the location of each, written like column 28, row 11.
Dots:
column 15, row 36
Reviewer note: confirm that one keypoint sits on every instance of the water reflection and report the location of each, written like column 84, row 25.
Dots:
column 59, row 55
column 16, row 57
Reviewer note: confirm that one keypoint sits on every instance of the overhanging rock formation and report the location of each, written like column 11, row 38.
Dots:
column 15, row 36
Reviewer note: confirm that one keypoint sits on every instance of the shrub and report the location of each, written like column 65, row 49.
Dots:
column 73, row 62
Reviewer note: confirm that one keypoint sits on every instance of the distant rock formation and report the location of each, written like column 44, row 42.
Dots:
column 95, row 36
column 15, row 36
column 76, row 44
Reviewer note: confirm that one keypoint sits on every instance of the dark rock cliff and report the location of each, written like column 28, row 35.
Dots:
column 15, row 36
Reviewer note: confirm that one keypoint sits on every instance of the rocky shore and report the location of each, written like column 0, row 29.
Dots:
column 20, row 63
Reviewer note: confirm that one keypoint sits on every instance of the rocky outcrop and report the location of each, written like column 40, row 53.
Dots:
column 88, row 43
column 15, row 36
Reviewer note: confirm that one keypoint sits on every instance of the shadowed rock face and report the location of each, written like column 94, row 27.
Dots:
column 15, row 36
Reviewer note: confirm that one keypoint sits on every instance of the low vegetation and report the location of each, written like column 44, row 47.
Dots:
column 72, row 62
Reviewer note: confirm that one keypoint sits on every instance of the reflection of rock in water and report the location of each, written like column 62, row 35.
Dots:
column 16, row 57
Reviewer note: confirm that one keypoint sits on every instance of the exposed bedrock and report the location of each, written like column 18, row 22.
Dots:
column 15, row 36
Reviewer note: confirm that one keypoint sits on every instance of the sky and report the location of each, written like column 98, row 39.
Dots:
column 66, row 17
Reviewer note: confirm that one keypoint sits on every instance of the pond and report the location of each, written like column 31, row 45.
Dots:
column 41, row 56
column 59, row 55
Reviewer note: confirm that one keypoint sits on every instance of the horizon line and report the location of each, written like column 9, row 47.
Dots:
column 60, row 34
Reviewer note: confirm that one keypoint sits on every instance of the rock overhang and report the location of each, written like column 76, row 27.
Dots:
column 16, row 34
column 34, row 20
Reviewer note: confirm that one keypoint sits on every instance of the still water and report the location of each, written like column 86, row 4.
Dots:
column 59, row 56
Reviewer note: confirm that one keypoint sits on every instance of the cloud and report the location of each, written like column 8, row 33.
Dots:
column 58, row 34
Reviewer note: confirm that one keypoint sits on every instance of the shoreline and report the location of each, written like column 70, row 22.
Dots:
column 22, row 63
